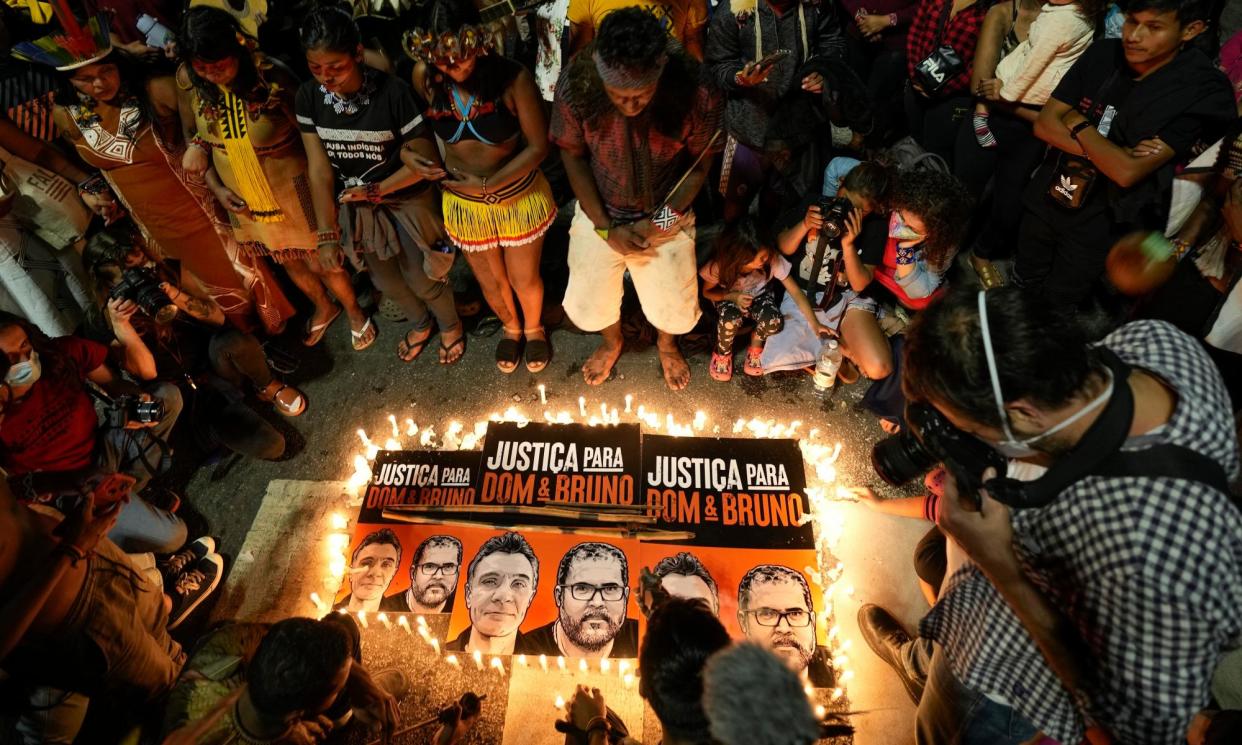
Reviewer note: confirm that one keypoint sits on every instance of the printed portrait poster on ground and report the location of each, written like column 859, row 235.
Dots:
column 529, row 613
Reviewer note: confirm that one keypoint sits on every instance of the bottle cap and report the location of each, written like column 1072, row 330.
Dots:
column 831, row 344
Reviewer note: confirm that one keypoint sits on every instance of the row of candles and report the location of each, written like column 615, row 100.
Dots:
column 826, row 512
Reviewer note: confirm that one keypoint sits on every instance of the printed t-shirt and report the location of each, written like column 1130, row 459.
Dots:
column 753, row 283
column 52, row 428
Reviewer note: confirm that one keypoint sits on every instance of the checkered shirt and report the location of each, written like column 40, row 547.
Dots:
column 1149, row 570
column 961, row 33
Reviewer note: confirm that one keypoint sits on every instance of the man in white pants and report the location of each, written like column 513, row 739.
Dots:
column 631, row 118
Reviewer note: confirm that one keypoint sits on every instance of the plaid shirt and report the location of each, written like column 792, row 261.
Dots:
column 961, row 33
column 1149, row 570
column 634, row 176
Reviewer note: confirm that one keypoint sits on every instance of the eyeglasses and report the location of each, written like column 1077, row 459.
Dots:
column 586, row 592
column 430, row 570
column 795, row 617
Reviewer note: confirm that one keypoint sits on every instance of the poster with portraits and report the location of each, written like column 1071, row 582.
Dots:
column 525, row 606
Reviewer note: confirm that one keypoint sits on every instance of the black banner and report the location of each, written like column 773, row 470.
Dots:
column 426, row 477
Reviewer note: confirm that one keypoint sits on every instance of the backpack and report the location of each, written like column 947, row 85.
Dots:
column 907, row 156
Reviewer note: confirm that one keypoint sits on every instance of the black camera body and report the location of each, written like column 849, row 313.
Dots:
column 141, row 286
column 835, row 211
column 929, row 438
column 126, row 409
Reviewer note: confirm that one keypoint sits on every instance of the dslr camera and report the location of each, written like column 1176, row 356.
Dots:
column 141, row 286
column 126, row 409
column 929, row 439
column 835, row 211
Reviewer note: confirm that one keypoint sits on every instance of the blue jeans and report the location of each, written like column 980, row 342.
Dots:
column 952, row 714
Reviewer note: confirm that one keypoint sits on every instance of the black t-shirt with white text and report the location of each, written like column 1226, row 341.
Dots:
column 362, row 135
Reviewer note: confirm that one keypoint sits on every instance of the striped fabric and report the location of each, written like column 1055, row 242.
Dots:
column 26, row 97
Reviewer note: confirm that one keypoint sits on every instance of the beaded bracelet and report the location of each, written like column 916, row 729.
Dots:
column 74, row 553
column 326, row 236
column 198, row 142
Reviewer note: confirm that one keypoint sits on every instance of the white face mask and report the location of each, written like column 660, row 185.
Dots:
column 24, row 373
column 1012, row 447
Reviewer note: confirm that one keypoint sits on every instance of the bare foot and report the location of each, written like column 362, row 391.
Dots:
column 599, row 365
column 676, row 371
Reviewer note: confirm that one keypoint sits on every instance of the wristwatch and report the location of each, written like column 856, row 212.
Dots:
column 1078, row 128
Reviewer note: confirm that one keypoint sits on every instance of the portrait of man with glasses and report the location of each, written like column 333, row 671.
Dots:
column 433, row 578
column 775, row 610
column 591, row 595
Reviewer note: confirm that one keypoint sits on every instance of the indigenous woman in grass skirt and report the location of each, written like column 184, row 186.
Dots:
column 488, row 113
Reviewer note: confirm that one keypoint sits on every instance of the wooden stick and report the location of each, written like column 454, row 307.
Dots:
column 644, row 535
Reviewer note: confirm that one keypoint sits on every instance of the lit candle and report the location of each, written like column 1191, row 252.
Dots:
column 362, row 618
column 452, row 660
column 847, row 676
column 604, row 665
column 840, row 661
column 669, row 422
column 404, row 623
column 808, row 690
column 543, row 394
column 627, row 681
column 383, row 618
column 837, row 693
column 411, row 428
column 603, row 410
column 582, row 665
column 338, row 521
column 478, row 659
column 642, row 412
column 393, row 421
column 420, row 622
column 314, row 598
column 435, row 646
column 560, row 663
column 581, row 405
column 623, row 668
column 392, row 444
column 700, row 420
column 498, row 666
column 558, row 702
column 543, row 662
column 522, row 660
column 629, row 402
column 820, row 712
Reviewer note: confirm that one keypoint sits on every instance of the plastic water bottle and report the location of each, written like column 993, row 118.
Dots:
column 826, row 367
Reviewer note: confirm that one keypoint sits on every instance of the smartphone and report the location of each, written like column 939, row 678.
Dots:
column 771, row 59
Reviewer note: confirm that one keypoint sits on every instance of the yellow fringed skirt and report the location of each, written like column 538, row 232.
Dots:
column 513, row 216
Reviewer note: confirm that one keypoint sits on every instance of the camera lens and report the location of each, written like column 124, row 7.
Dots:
column 900, row 459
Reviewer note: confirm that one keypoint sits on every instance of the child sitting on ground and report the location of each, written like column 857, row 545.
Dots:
column 738, row 280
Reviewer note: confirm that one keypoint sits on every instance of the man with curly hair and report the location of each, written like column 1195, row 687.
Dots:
column 631, row 118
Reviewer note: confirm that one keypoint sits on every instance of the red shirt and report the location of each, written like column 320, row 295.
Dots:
column 52, row 427
column 961, row 32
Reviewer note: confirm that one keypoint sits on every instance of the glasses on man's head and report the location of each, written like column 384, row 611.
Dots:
column 795, row 617
column 428, row 569
column 585, row 592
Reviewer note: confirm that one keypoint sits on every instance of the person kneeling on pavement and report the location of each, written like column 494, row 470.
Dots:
column 175, row 333
column 51, row 439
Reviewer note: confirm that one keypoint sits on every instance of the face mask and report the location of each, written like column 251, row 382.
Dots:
column 898, row 229
column 1012, row 447
column 24, row 373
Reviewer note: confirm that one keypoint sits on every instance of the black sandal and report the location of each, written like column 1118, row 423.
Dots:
column 538, row 354
column 448, row 350
column 508, row 352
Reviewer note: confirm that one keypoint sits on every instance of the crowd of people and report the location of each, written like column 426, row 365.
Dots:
column 184, row 191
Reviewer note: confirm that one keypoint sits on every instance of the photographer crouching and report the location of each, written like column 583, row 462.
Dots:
column 1097, row 599
column 173, row 332
column 51, row 440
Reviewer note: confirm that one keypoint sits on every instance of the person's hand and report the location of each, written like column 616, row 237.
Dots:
column 104, row 204
column 230, row 200
column 871, row 26
column 989, row 89
column 87, row 526
column 308, row 731
column 853, row 226
column 813, row 83
column 651, row 234
column 625, row 240
column 862, row 494
column 195, row 160
column 121, row 311
column 373, row 706
column 984, row 531
column 353, row 194
column 1150, row 146
column 172, row 291
column 742, row 300
column 1231, row 210
column 752, row 74
column 466, row 183
column 813, row 220
column 823, row 331
column 586, row 704
column 425, row 168
column 143, row 52
column 330, row 256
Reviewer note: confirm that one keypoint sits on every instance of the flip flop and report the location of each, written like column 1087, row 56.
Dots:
column 286, row 399
column 448, row 350
column 408, row 352
column 314, row 334
column 364, row 338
